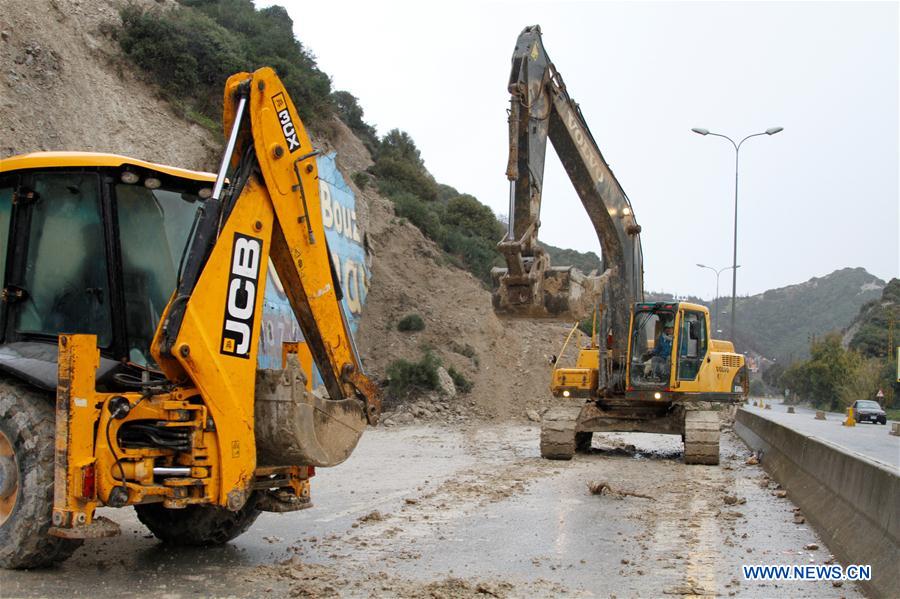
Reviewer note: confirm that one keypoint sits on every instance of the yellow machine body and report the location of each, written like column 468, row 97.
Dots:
column 207, row 391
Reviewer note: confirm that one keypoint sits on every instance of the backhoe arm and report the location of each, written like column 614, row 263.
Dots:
column 209, row 337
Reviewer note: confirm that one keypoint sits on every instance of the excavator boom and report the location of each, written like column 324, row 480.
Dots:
column 541, row 108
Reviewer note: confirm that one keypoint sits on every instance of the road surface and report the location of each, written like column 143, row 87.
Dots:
column 442, row 512
column 870, row 440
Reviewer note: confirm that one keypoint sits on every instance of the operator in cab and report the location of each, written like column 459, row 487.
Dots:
column 661, row 354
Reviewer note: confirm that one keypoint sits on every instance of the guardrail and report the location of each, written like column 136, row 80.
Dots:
column 850, row 500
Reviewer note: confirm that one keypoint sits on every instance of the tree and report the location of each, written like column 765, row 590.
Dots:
column 473, row 217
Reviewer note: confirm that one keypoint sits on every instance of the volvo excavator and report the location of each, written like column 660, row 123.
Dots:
column 647, row 366
column 129, row 327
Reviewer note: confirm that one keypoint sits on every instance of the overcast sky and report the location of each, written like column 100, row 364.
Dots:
column 821, row 195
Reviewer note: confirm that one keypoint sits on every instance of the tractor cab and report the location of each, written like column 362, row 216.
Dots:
column 89, row 243
column 669, row 342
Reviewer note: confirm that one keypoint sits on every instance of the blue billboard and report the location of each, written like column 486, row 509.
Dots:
column 344, row 238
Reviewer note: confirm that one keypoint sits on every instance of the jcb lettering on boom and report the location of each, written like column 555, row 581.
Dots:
column 287, row 124
column 243, row 281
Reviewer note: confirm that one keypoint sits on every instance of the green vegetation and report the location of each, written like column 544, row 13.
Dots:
column 361, row 179
column 583, row 261
column 411, row 322
column 462, row 384
column 407, row 377
column 461, row 225
column 190, row 51
column 874, row 322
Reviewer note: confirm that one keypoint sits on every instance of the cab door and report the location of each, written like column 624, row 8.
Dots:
column 7, row 189
column 693, row 349
column 60, row 265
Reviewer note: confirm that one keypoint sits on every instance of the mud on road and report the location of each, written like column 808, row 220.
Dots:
column 440, row 512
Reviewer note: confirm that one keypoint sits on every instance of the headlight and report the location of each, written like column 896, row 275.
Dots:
column 566, row 393
column 657, row 395
column 130, row 177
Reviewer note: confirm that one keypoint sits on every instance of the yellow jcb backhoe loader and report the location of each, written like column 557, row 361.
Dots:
column 648, row 367
column 132, row 298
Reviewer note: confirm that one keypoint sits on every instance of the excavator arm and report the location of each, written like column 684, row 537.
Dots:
column 541, row 108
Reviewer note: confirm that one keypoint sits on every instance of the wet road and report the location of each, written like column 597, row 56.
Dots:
column 434, row 511
column 871, row 440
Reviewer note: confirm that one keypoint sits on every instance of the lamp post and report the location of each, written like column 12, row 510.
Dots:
column 737, row 151
column 718, row 272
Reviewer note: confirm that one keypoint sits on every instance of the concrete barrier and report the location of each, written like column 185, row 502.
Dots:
column 850, row 500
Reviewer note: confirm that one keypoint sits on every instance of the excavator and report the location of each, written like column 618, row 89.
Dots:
column 132, row 295
column 648, row 366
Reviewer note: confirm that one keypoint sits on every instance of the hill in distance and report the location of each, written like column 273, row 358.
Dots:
column 779, row 323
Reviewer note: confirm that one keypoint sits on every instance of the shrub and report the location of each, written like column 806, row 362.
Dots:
column 360, row 179
column 410, row 377
column 477, row 254
column 419, row 213
column 404, row 176
column 462, row 349
column 462, row 384
column 473, row 217
column 190, row 51
column 349, row 111
column 411, row 322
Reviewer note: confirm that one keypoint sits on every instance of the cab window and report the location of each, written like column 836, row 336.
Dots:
column 154, row 226
column 65, row 274
column 6, row 194
column 692, row 344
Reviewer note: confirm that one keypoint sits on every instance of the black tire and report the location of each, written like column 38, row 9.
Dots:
column 27, row 421
column 197, row 525
column 883, row 420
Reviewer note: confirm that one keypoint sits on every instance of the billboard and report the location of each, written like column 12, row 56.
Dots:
column 345, row 241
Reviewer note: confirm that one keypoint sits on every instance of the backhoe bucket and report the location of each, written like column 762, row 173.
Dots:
column 297, row 427
column 559, row 293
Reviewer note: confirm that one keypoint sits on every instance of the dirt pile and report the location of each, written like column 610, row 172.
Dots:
column 65, row 85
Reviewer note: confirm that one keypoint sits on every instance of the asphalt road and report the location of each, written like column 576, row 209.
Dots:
column 870, row 440
column 434, row 511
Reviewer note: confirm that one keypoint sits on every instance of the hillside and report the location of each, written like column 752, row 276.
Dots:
column 61, row 54
column 779, row 323
column 869, row 331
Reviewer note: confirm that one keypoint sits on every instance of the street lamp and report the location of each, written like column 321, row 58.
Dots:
column 737, row 149
column 718, row 272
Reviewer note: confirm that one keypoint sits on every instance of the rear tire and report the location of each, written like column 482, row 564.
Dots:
column 27, row 433
column 197, row 525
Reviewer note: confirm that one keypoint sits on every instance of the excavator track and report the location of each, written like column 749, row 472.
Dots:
column 558, row 437
column 701, row 437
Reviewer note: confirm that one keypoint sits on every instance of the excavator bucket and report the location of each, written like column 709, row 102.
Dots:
column 560, row 293
column 297, row 427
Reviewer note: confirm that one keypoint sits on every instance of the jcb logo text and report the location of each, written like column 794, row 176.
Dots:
column 240, row 304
